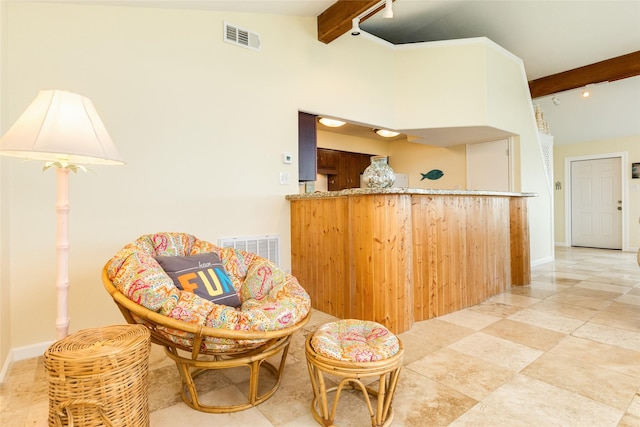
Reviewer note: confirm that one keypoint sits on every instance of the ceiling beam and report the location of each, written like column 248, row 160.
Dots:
column 337, row 19
column 620, row 67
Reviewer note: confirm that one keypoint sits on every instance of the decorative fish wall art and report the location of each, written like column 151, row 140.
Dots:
column 432, row 174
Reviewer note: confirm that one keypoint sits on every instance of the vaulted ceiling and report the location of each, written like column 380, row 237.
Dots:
column 565, row 46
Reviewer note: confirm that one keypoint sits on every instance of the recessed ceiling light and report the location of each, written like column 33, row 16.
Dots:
column 386, row 133
column 332, row 123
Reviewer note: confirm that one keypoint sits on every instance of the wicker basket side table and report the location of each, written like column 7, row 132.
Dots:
column 99, row 377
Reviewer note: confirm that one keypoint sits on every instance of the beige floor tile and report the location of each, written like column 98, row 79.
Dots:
column 306, row 420
column 572, row 374
column 629, row 298
column 598, row 354
column 620, row 315
column 294, row 394
column 182, row 415
column 629, row 420
column 567, row 276
column 470, row 319
column 351, row 410
column 609, row 335
column 427, row 336
column 482, row 415
column 158, row 358
column 421, row 402
column 524, row 333
column 164, row 387
column 565, row 310
column 319, row 318
column 634, row 407
column 559, row 280
column 547, row 320
column 599, row 285
column 469, row 375
column 619, row 277
column 513, row 299
column 13, row 417
column 566, row 297
column 590, row 292
column 495, row 309
column 549, row 405
column 501, row 352
column 533, row 292
column 37, row 414
column 595, row 264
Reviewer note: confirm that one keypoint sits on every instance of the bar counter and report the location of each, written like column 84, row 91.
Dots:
column 398, row 256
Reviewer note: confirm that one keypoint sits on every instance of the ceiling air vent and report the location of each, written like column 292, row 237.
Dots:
column 241, row 37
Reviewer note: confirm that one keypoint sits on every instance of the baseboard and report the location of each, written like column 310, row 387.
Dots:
column 22, row 353
column 541, row 261
column 5, row 366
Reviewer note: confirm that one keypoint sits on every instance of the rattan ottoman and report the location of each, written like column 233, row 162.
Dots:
column 354, row 350
column 99, row 377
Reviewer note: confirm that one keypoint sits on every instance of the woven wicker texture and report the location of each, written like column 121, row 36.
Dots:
column 99, row 377
column 349, row 372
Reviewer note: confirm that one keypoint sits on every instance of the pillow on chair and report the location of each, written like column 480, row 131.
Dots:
column 202, row 274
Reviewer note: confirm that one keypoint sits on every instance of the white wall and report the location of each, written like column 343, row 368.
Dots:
column 201, row 123
column 5, row 328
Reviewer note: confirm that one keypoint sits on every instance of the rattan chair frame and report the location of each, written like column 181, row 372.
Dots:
column 199, row 360
column 351, row 376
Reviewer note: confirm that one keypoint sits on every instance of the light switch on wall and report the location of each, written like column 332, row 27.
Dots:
column 284, row 178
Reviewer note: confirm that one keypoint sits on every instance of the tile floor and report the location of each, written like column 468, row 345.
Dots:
column 563, row 351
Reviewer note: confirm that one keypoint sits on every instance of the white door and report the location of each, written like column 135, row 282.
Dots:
column 596, row 203
column 488, row 166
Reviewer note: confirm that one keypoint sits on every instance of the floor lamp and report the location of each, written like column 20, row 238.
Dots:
column 64, row 130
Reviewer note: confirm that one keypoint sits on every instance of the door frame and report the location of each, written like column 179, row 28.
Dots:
column 510, row 160
column 624, row 182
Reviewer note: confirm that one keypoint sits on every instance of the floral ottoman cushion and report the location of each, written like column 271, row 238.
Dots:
column 355, row 341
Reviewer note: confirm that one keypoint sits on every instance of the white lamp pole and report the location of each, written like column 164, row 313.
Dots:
column 64, row 130
column 62, row 252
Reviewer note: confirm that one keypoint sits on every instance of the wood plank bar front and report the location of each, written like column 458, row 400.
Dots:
column 397, row 257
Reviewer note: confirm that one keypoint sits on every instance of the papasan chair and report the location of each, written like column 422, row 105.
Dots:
column 247, row 314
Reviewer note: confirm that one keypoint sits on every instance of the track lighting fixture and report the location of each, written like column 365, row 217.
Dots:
column 355, row 27
column 586, row 92
column 388, row 9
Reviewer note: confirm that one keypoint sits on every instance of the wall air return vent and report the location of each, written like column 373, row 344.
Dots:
column 267, row 246
column 241, row 37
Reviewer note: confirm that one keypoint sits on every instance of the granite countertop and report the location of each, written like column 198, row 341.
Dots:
column 419, row 191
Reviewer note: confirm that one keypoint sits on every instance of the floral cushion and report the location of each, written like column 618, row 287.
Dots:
column 355, row 341
column 271, row 299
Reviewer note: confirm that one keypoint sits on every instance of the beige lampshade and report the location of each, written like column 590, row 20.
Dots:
column 60, row 126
